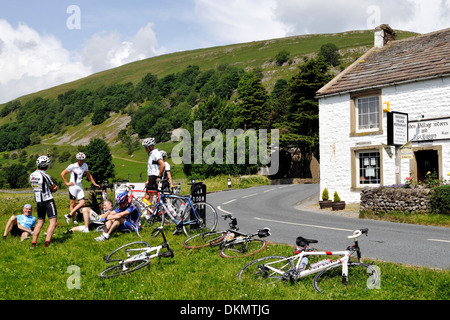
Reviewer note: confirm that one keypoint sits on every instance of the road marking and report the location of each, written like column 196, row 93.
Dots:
column 437, row 240
column 269, row 190
column 304, row 225
column 228, row 202
column 220, row 208
column 250, row 195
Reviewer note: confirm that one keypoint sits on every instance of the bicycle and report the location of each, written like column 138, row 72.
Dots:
column 188, row 216
column 136, row 255
column 233, row 244
column 342, row 273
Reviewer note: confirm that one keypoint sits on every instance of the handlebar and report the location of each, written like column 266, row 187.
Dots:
column 358, row 233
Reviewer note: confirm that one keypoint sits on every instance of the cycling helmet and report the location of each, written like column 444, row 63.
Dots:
column 81, row 156
column 43, row 162
column 163, row 153
column 148, row 142
column 121, row 198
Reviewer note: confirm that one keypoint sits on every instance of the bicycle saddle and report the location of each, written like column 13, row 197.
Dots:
column 302, row 242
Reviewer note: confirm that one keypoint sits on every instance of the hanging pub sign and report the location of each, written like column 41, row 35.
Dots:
column 397, row 128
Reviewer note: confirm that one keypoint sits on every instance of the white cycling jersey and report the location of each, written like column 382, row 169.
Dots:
column 153, row 166
column 77, row 172
column 41, row 183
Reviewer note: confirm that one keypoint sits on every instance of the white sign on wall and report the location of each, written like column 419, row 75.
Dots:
column 429, row 130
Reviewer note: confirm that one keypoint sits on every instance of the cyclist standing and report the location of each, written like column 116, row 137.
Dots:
column 167, row 174
column 43, row 187
column 77, row 171
column 155, row 168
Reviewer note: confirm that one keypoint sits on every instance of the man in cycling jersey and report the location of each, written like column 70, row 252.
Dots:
column 167, row 174
column 90, row 216
column 43, row 187
column 21, row 225
column 124, row 218
column 77, row 171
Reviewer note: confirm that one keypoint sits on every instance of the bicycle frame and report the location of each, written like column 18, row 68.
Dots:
column 344, row 258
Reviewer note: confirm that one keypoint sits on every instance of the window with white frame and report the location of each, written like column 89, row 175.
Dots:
column 368, row 113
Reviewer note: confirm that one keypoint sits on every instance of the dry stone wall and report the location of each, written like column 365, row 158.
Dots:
column 388, row 199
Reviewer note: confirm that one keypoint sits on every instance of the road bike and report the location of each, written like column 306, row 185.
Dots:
column 136, row 255
column 232, row 243
column 342, row 274
column 188, row 216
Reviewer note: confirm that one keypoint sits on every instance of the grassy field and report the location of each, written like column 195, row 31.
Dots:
column 51, row 273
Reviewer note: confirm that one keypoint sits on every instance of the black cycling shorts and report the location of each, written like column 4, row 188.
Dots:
column 48, row 209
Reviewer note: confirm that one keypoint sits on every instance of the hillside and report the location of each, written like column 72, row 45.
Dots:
column 258, row 55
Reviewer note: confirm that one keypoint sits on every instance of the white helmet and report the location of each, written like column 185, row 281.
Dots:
column 163, row 153
column 43, row 162
column 148, row 142
column 81, row 156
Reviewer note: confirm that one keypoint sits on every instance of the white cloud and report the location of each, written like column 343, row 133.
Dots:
column 108, row 50
column 30, row 62
column 236, row 21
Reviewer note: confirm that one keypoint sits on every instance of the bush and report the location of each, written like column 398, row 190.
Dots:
column 325, row 195
column 440, row 200
column 336, row 197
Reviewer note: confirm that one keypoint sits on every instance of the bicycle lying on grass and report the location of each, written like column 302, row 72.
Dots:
column 233, row 244
column 332, row 276
column 135, row 255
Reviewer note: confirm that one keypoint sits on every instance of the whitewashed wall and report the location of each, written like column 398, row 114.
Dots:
column 430, row 98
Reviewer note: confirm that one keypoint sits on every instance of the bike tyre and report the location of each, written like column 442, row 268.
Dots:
column 249, row 271
column 209, row 223
column 202, row 240
column 361, row 276
column 246, row 248
column 115, row 256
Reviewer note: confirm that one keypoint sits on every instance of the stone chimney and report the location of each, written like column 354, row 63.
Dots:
column 384, row 34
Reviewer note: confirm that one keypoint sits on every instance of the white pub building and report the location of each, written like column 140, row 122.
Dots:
column 387, row 116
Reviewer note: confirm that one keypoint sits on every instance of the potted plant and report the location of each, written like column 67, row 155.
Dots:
column 325, row 203
column 337, row 203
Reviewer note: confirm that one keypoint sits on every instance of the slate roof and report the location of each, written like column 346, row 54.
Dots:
column 417, row 58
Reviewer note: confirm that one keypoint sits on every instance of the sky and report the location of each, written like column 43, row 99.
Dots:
column 47, row 43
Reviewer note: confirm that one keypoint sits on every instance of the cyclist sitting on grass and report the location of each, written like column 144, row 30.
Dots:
column 91, row 217
column 21, row 225
column 124, row 218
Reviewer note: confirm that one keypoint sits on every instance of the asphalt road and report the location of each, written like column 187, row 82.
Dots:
column 276, row 207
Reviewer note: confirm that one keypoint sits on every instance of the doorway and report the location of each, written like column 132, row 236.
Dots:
column 427, row 161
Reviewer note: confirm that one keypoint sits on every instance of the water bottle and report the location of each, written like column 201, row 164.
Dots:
column 303, row 264
column 320, row 263
column 182, row 207
column 155, row 199
column 230, row 236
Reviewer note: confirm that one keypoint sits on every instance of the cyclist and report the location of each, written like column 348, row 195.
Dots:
column 21, row 225
column 124, row 218
column 155, row 169
column 43, row 187
column 77, row 171
column 167, row 174
column 92, row 217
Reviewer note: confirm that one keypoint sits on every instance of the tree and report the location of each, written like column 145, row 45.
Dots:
column 17, row 176
column 282, row 57
column 303, row 117
column 330, row 52
column 99, row 159
column 253, row 96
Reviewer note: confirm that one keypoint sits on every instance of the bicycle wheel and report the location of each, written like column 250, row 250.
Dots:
column 204, row 239
column 203, row 220
column 361, row 276
column 242, row 248
column 259, row 269
column 126, row 259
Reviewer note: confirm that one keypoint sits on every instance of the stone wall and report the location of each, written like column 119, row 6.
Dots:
column 389, row 199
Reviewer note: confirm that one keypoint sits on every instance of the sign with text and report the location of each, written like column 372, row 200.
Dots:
column 429, row 130
column 397, row 128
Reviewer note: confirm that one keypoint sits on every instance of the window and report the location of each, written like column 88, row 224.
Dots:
column 367, row 167
column 366, row 114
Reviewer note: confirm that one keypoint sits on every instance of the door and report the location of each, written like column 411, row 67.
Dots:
column 427, row 161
